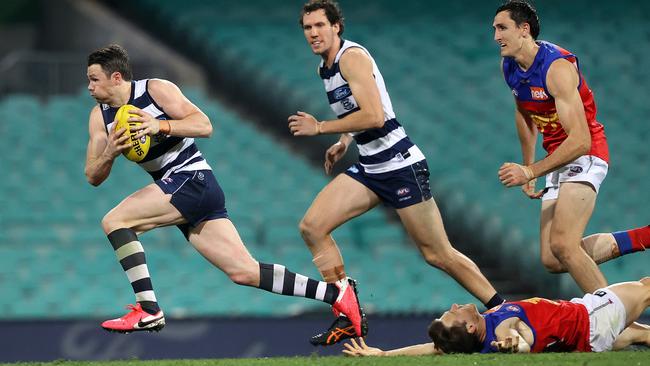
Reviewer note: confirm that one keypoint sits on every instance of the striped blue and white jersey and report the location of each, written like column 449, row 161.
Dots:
column 167, row 154
column 380, row 149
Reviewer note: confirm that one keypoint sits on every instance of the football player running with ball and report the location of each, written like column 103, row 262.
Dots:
column 184, row 193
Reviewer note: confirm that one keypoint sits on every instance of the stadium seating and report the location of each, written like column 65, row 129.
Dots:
column 448, row 92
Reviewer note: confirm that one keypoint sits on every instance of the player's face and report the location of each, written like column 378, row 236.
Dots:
column 100, row 86
column 467, row 313
column 319, row 32
column 507, row 34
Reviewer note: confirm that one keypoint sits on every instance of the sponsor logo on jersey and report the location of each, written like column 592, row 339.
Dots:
column 538, row 93
column 342, row 92
column 513, row 308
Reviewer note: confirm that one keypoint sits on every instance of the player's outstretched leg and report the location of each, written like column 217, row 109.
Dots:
column 342, row 294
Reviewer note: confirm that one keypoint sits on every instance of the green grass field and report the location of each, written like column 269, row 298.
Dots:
column 626, row 358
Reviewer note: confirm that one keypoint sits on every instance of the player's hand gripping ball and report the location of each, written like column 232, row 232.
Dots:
column 139, row 146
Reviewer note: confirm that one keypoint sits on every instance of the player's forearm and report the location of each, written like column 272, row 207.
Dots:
column 568, row 151
column 98, row 169
column 527, row 133
column 527, row 140
column 346, row 139
column 196, row 124
column 415, row 350
column 527, row 151
column 354, row 122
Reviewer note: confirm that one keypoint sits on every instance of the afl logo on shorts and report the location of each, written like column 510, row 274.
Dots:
column 403, row 191
column 574, row 170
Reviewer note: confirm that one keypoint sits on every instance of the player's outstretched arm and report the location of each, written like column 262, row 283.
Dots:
column 361, row 349
column 102, row 148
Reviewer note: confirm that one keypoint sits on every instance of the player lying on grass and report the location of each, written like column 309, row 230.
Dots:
column 594, row 323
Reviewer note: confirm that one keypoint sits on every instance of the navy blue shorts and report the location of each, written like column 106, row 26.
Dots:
column 399, row 188
column 197, row 196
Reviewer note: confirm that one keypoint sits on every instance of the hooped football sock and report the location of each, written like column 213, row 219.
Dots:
column 130, row 253
column 635, row 240
column 276, row 278
column 494, row 301
column 330, row 264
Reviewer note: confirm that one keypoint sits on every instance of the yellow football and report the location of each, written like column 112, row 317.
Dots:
column 139, row 146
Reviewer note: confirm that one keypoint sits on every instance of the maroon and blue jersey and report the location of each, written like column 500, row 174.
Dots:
column 557, row 326
column 538, row 105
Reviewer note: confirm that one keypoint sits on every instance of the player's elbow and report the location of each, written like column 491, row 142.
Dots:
column 377, row 120
column 206, row 130
column 93, row 180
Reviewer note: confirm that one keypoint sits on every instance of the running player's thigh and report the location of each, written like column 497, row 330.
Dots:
column 219, row 242
column 573, row 209
column 146, row 209
column 342, row 199
column 546, row 221
column 424, row 224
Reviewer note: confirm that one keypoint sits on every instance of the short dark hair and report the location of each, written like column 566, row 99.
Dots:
column 522, row 12
column 112, row 58
column 455, row 339
column 332, row 11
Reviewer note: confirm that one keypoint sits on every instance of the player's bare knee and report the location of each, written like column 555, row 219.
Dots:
column 552, row 265
column 309, row 230
column 111, row 223
column 645, row 281
column 561, row 251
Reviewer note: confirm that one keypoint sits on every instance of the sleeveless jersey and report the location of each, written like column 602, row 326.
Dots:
column 381, row 149
column 532, row 96
column 557, row 326
column 167, row 154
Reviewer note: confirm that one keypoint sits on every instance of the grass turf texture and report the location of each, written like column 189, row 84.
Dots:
column 627, row 358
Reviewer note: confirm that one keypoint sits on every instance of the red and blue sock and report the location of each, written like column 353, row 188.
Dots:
column 634, row 240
